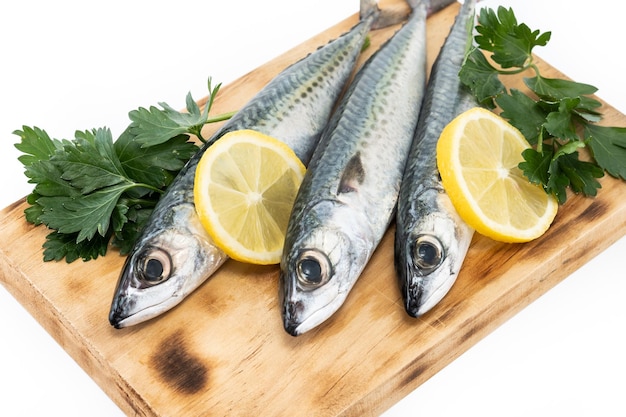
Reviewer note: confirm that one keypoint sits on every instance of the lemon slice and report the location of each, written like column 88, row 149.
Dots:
column 245, row 186
column 478, row 155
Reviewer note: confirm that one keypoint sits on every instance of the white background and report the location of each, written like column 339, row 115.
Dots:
column 68, row 65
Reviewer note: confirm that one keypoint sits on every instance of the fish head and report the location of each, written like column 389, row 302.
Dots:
column 165, row 265
column 429, row 262
column 321, row 262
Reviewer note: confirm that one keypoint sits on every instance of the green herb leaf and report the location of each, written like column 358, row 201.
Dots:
column 581, row 174
column 153, row 165
column 524, row 113
column 511, row 43
column 125, row 238
column 553, row 120
column 59, row 245
column 554, row 89
column 154, row 126
column 557, row 182
column 608, row 145
column 89, row 162
column 536, row 165
column 91, row 190
column 86, row 215
column 35, row 144
column 560, row 123
column 481, row 78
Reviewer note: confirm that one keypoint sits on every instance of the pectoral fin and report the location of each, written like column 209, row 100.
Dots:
column 353, row 175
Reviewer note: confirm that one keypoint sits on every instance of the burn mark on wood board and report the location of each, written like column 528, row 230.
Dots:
column 178, row 366
column 595, row 210
column 415, row 372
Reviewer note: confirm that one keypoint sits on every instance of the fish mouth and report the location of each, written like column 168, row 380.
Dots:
column 124, row 312
column 290, row 314
column 413, row 297
column 422, row 293
column 117, row 320
column 119, row 312
column 411, row 284
column 292, row 321
column 131, row 304
column 297, row 321
column 121, row 315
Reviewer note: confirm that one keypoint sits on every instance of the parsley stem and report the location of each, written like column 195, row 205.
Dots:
column 221, row 117
column 143, row 202
column 148, row 187
column 214, row 119
column 518, row 70
column 540, row 140
column 512, row 72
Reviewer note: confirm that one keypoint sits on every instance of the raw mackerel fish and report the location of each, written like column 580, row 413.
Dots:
column 174, row 254
column 431, row 240
column 348, row 195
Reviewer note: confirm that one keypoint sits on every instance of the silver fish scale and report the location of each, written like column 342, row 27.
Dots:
column 289, row 107
column 423, row 206
column 349, row 192
column 372, row 124
column 445, row 98
column 294, row 107
column 280, row 108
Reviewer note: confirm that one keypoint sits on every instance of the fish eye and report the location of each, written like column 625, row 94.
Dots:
column 428, row 253
column 154, row 266
column 312, row 269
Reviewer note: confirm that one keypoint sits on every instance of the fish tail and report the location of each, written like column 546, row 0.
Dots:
column 416, row 3
column 434, row 6
column 395, row 15
column 367, row 8
column 382, row 18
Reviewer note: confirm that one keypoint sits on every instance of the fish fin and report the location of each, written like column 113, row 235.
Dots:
column 353, row 175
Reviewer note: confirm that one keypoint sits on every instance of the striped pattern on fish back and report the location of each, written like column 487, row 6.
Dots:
column 367, row 140
column 293, row 107
column 445, row 98
column 296, row 105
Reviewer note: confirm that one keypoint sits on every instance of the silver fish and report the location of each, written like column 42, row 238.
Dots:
column 348, row 195
column 431, row 240
column 174, row 254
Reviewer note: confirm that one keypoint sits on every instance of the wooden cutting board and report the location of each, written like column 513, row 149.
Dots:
column 223, row 351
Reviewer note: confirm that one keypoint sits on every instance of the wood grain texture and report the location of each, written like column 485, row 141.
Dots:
column 223, row 351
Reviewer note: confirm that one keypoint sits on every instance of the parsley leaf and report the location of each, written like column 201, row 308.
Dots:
column 553, row 119
column 91, row 182
column 536, row 165
column 153, row 164
column 60, row 245
column 510, row 42
column 154, row 126
column 481, row 78
column 36, row 145
column 524, row 113
column 608, row 145
column 92, row 191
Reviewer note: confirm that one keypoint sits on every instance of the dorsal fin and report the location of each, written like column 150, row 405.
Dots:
column 353, row 175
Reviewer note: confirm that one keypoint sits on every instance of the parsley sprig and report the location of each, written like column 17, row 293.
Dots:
column 92, row 191
column 558, row 120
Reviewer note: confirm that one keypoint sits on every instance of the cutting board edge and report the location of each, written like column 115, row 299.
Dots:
column 61, row 330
